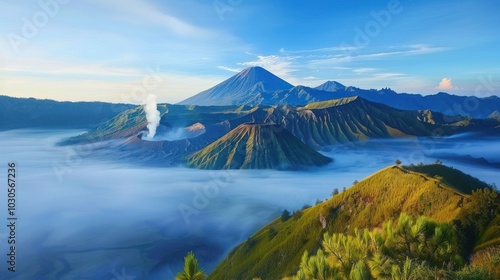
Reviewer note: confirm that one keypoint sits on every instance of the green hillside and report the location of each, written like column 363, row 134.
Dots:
column 341, row 121
column 133, row 121
column 275, row 251
column 256, row 146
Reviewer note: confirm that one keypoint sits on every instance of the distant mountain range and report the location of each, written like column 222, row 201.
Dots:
column 30, row 112
column 311, row 119
column 256, row 86
column 209, row 136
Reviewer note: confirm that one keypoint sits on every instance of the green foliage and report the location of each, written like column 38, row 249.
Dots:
column 422, row 240
column 191, row 270
column 285, row 215
column 367, row 205
column 479, row 220
column 487, row 260
column 298, row 214
column 335, row 192
column 314, row 267
column 390, row 253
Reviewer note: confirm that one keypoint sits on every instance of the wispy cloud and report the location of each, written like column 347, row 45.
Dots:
column 327, row 49
column 235, row 70
column 146, row 12
column 282, row 66
column 410, row 50
column 363, row 70
column 63, row 68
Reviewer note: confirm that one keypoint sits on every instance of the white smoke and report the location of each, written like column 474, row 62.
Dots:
column 152, row 115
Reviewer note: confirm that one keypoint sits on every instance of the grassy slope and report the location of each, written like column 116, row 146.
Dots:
column 352, row 119
column 132, row 121
column 329, row 103
column 491, row 236
column 451, row 176
column 318, row 124
column 369, row 203
column 256, row 147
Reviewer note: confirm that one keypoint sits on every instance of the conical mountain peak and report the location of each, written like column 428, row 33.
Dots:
column 257, row 146
column 246, row 87
column 331, row 86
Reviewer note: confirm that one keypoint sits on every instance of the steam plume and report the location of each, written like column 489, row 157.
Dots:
column 152, row 115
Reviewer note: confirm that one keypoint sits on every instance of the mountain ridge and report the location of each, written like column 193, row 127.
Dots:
column 275, row 250
column 257, row 146
column 319, row 125
column 234, row 92
column 30, row 112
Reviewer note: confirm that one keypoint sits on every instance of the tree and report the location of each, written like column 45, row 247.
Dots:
column 398, row 162
column 422, row 239
column 411, row 248
column 191, row 270
column 285, row 215
column 335, row 192
column 355, row 182
column 314, row 267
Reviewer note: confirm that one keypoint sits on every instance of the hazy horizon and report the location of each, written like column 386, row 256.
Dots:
column 54, row 49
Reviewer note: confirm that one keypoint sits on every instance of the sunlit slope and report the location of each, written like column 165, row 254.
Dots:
column 341, row 121
column 257, row 146
column 249, row 87
column 133, row 121
column 319, row 124
column 275, row 250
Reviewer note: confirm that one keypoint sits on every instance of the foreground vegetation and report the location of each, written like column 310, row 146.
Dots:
column 411, row 248
column 404, row 222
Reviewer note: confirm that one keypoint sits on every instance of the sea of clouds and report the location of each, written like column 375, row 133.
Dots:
column 82, row 216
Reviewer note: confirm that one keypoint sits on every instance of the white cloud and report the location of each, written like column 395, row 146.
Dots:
column 235, row 70
column 445, row 84
column 281, row 66
column 363, row 70
column 410, row 50
column 311, row 78
column 328, row 49
column 142, row 11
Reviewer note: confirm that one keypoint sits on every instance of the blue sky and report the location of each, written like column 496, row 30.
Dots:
column 119, row 50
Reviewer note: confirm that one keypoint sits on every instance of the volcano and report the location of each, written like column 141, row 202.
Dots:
column 244, row 88
column 257, row 146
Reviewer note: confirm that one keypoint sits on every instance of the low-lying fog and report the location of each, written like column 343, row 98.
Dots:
column 81, row 217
